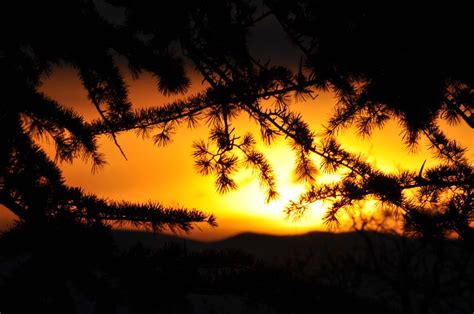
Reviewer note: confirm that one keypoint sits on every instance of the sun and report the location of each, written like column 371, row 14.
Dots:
column 272, row 214
column 291, row 192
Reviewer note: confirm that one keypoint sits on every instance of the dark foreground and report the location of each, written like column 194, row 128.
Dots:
column 71, row 268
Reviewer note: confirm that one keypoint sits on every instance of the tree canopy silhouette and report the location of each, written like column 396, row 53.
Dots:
column 388, row 62
column 378, row 62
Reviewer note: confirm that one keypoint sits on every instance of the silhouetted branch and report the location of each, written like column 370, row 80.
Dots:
column 111, row 131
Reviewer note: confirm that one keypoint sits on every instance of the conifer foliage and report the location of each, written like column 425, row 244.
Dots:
column 75, row 34
column 378, row 67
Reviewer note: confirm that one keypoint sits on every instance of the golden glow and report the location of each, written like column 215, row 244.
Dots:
column 167, row 174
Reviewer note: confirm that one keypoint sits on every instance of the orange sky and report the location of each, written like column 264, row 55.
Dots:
column 167, row 174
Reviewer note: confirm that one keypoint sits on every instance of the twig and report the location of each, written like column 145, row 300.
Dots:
column 107, row 122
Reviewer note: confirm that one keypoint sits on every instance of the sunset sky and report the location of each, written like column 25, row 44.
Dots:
column 236, row 156
column 167, row 174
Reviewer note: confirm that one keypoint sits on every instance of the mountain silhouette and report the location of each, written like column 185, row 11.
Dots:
column 266, row 247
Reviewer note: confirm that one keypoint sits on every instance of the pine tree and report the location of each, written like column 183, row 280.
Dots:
column 380, row 75
column 378, row 66
column 74, row 33
column 395, row 62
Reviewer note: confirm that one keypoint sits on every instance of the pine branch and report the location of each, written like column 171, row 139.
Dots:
column 152, row 116
column 153, row 214
column 452, row 105
column 110, row 128
column 446, row 148
column 267, row 117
